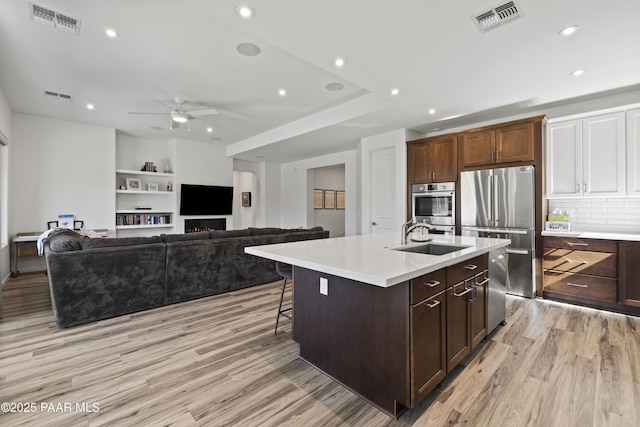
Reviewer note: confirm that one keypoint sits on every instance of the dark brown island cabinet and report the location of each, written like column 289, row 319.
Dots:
column 392, row 345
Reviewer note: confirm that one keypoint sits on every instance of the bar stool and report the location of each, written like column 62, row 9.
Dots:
column 286, row 272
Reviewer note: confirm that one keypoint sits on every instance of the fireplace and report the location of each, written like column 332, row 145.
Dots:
column 194, row 225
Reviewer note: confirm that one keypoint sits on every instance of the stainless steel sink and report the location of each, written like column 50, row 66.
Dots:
column 431, row 249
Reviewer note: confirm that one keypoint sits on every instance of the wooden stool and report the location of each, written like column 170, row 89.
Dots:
column 286, row 272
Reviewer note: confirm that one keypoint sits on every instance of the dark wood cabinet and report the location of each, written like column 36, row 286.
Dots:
column 429, row 338
column 466, row 308
column 629, row 284
column 458, row 324
column 583, row 271
column 479, row 316
column 432, row 160
column 496, row 146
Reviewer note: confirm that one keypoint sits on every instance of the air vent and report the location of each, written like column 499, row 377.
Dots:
column 57, row 95
column 497, row 15
column 54, row 19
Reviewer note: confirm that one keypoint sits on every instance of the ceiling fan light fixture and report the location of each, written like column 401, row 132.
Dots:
column 179, row 117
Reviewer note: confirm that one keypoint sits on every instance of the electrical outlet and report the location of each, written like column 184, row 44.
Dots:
column 324, row 286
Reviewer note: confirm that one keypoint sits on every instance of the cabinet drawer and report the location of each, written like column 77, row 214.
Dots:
column 580, row 285
column 457, row 273
column 595, row 245
column 427, row 285
column 583, row 262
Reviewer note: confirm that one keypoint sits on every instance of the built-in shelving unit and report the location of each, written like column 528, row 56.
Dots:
column 143, row 211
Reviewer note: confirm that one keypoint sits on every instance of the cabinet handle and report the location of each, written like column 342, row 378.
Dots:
column 470, row 267
column 577, row 285
column 481, row 283
column 497, row 155
column 466, row 291
column 434, row 304
column 585, row 187
column 431, row 284
column 577, row 188
column 577, row 244
column 434, row 176
column 493, row 154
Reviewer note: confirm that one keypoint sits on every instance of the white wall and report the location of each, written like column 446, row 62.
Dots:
column 297, row 199
column 59, row 167
column 204, row 164
column 330, row 178
column 245, row 216
column 267, row 188
column 5, row 127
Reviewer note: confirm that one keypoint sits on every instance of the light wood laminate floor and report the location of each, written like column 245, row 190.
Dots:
column 216, row 362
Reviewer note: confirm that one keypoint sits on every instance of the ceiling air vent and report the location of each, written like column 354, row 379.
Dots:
column 57, row 95
column 54, row 19
column 497, row 15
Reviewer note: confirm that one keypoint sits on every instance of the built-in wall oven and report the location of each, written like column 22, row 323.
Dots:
column 435, row 204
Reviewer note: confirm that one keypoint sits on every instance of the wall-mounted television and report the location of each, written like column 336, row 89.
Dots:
column 205, row 200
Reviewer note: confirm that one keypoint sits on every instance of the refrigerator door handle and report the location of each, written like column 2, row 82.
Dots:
column 490, row 197
column 496, row 198
column 495, row 230
column 518, row 251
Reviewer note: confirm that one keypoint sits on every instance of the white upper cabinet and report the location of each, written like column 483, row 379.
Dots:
column 633, row 152
column 586, row 157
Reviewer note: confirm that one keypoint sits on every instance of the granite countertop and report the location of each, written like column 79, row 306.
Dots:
column 370, row 259
column 594, row 235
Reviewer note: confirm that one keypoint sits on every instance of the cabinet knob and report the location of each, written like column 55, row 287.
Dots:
column 374, row 223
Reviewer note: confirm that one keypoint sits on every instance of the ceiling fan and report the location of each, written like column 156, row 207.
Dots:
column 178, row 115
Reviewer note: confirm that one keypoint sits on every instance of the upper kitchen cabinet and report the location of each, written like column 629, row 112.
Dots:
column 432, row 160
column 498, row 145
column 633, row 152
column 586, row 157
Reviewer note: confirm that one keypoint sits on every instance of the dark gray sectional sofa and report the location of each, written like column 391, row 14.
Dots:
column 94, row 279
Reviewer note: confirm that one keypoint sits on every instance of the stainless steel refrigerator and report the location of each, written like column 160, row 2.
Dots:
column 500, row 203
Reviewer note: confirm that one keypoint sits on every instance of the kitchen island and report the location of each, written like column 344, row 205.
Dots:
column 387, row 323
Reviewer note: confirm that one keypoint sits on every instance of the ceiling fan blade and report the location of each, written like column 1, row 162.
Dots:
column 137, row 112
column 198, row 113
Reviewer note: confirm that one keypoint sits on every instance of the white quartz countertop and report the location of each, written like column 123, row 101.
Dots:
column 370, row 259
column 594, row 235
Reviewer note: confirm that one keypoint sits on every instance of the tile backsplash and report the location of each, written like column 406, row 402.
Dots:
column 605, row 215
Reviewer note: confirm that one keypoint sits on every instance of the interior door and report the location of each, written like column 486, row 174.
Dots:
column 383, row 197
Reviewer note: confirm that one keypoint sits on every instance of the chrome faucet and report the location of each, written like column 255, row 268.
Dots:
column 412, row 226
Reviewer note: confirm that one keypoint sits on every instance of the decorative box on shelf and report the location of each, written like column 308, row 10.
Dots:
column 557, row 225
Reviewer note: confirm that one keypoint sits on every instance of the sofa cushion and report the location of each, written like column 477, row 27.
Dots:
column 221, row 234
column 88, row 243
column 265, row 230
column 200, row 235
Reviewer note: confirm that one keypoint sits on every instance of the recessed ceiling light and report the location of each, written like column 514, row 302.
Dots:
column 334, row 86
column 339, row 62
column 90, row 106
column 245, row 11
column 437, row 129
column 209, row 129
column 569, row 30
column 578, row 72
column 157, row 128
column 261, row 157
column 215, row 138
column 395, row 91
column 282, row 92
column 111, row 33
column 248, row 49
column 432, row 111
